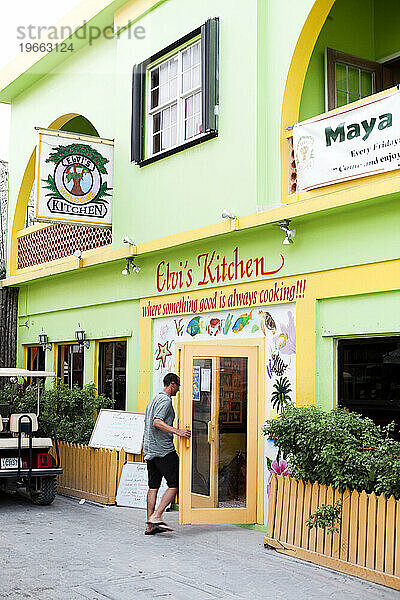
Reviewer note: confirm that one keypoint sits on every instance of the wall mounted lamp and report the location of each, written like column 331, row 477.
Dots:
column 227, row 215
column 127, row 240
column 289, row 233
column 80, row 337
column 44, row 341
column 130, row 264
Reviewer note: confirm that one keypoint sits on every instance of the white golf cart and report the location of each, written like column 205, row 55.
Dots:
column 24, row 459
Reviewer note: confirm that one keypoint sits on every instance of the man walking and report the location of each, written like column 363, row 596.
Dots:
column 160, row 454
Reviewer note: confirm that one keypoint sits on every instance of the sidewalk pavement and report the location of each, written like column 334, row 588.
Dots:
column 69, row 551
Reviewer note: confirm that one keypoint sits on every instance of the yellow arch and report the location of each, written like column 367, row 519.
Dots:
column 296, row 76
column 24, row 193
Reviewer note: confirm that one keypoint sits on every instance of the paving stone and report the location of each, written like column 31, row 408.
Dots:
column 69, row 551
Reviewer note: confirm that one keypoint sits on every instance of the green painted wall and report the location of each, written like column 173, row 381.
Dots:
column 107, row 303
column 352, row 316
column 387, row 27
column 191, row 188
column 239, row 170
column 365, row 28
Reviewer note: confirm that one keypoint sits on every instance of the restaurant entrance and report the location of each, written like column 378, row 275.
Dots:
column 219, row 400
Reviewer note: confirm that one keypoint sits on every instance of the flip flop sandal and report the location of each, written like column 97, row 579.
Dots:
column 154, row 530
column 159, row 524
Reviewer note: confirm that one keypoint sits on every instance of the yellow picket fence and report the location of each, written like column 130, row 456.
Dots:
column 91, row 473
column 368, row 544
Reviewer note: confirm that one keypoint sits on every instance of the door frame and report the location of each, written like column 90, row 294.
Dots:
column 259, row 343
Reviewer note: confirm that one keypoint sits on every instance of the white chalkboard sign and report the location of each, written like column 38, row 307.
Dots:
column 132, row 489
column 118, row 429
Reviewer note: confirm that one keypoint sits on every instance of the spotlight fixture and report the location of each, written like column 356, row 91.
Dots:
column 289, row 233
column 130, row 264
column 227, row 215
column 80, row 337
column 127, row 240
column 44, row 341
column 78, row 254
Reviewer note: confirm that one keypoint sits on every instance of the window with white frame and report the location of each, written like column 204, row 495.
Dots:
column 175, row 96
column 175, row 100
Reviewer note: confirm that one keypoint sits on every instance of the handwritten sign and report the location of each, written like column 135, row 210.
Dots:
column 118, row 429
column 132, row 489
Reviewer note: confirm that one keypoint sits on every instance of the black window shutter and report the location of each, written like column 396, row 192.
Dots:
column 210, row 82
column 138, row 101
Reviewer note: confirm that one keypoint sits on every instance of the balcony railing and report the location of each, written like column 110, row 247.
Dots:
column 52, row 242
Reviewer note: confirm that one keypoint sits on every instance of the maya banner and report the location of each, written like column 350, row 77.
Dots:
column 348, row 143
column 74, row 178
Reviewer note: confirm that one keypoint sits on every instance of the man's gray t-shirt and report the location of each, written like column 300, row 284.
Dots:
column 157, row 443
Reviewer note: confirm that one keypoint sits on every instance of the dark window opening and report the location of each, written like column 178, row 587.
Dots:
column 369, row 378
column 112, row 372
column 35, row 362
column 36, row 358
column 70, row 365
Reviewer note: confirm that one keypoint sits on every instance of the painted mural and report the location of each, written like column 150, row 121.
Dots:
column 277, row 324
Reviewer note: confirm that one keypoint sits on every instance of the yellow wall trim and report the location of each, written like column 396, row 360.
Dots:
column 362, row 190
column 296, row 76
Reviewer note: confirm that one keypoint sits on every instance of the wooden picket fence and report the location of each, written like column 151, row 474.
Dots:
column 368, row 544
column 91, row 473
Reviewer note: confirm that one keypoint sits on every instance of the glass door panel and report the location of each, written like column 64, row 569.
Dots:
column 219, row 464
column 202, row 390
column 232, row 432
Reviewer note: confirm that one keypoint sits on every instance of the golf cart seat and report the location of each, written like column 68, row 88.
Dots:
column 15, row 423
column 27, row 418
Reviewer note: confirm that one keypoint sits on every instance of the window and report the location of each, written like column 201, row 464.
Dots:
column 35, row 358
column 112, row 372
column 350, row 78
column 369, row 377
column 35, row 361
column 70, row 365
column 175, row 96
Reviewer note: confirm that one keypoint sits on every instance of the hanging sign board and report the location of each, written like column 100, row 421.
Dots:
column 348, row 143
column 133, row 487
column 117, row 429
column 74, row 179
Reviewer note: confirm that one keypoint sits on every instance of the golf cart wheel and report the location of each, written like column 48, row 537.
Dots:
column 42, row 490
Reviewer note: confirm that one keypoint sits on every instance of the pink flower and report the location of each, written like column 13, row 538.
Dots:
column 280, row 468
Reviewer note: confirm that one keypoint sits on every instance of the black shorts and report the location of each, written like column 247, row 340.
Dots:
column 165, row 466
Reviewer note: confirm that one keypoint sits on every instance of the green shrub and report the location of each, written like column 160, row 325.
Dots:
column 73, row 412
column 337, row 448
column 327, row 517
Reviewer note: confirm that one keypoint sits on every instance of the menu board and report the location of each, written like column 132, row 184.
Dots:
column 118, row 429
column 132, row 489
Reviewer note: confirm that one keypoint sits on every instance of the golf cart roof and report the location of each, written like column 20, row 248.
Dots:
column 11, row 372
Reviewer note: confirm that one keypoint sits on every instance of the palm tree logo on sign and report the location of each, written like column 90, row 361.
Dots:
column 78, row 177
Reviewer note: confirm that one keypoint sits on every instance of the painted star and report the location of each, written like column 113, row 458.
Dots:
column 163, row 352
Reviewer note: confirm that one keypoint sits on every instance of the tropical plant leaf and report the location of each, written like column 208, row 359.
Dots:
column 50, row 184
